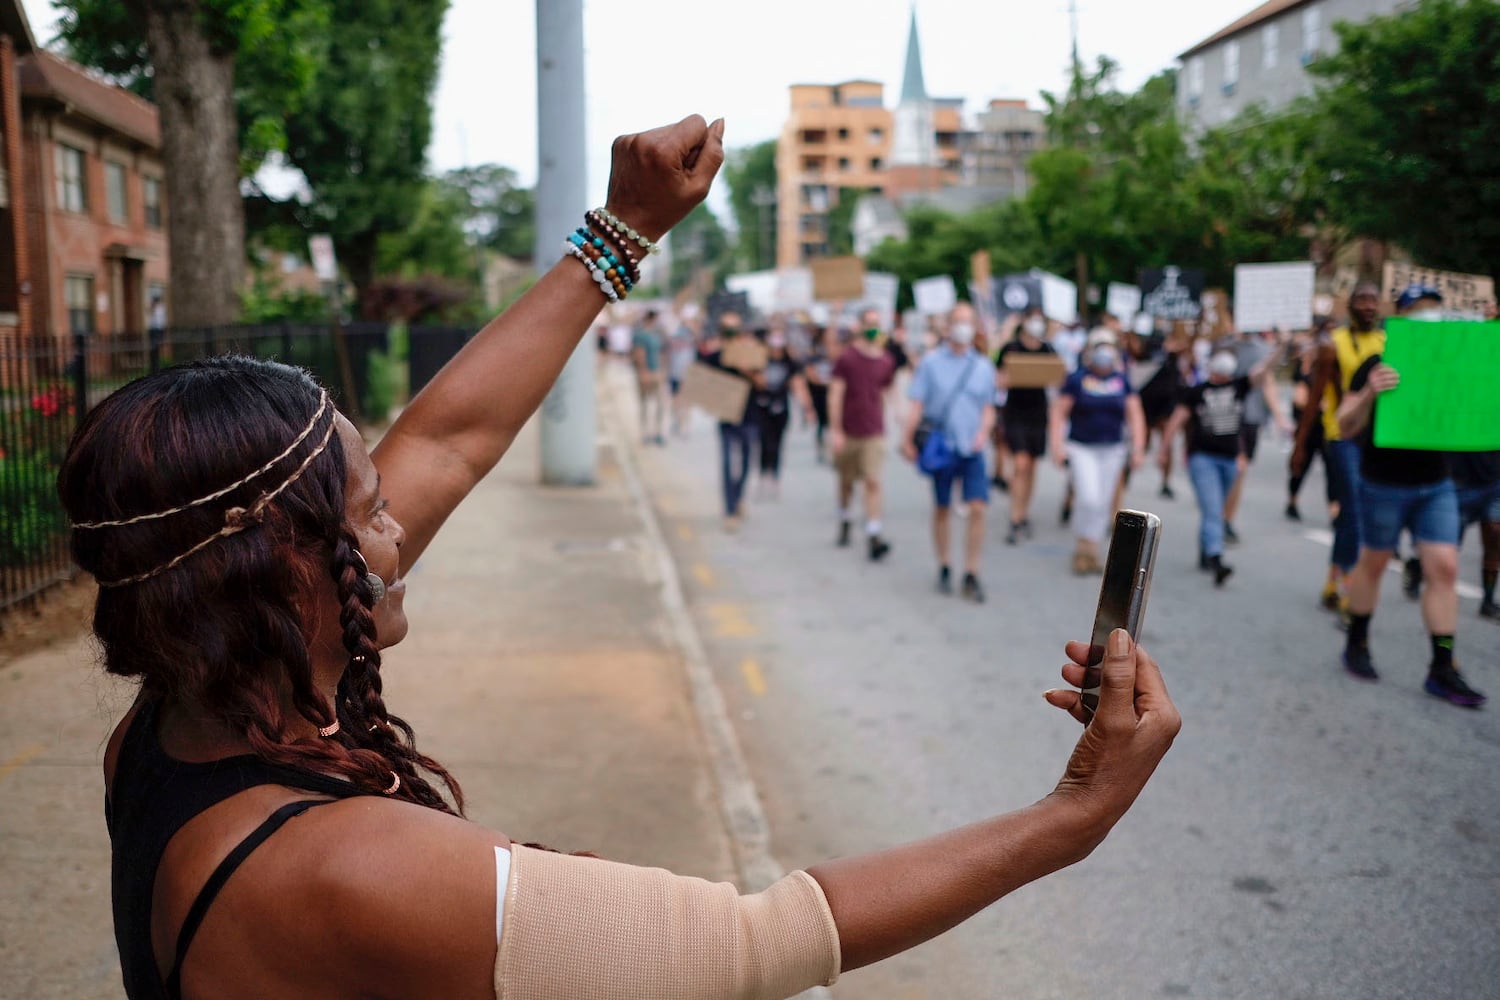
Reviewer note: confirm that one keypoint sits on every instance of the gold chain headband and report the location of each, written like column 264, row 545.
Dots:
column 236, row 519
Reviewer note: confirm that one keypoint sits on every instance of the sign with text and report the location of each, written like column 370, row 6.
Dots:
column 1122, row 301
column 719, row 394
column 1446, row 400
column 720, row 303
column 881, row 290
column 1171, row 293
column 1017, row 293
column 837, row 278
column 1274, row 296
column 1465, row 296
column 934, row 296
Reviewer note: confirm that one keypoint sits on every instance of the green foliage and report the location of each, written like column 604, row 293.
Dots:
column 1408, row 135
column 751, row 173
column 698, row 241
column 265, row 302
column 384, row 379
column 36, row 432
column 497, row 211
column 435, row 241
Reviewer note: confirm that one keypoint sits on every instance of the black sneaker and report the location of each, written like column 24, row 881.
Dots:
column 1230, row 536
column 945, row 581
column 1411, row 579
column 1166, row 492
column 1026, row 529
column 1204, row 563
column 1013, row 536
column 1067, row 513
column 1357, row 661
column 1490, row 610
column 1000, row 483
column 1292, row 513
column 844, row 529
column 1221, row 572
column 1448, row 684
column 972, row 590
column 879, row 548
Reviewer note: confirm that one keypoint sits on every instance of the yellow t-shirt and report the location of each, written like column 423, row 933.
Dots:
column 1353, row 349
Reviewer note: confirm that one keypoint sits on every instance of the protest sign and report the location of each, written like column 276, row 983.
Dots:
column 880, row 294
column 837, row 278
column 745, row 353
column 719, row 394
column 1059, row 297
column 759, row 288
column 1446, row 400
column 1465, row 296
column 1122, row 301
column 1034, row 371
column 1216, row 321
column 1171, row 293
column 934, row 296
column 794, row 289
column 1017, row 293
column 720, row 303
column 1274, row 296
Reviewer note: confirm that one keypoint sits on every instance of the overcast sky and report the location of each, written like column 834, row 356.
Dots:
column 654, row 61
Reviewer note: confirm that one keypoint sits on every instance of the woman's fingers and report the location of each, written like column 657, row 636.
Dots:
column 1068, row 701
column 1073, row 674
column 1117, row 694
column 1078, row 652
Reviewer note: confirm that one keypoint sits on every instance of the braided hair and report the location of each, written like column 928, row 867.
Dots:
column 225, row 630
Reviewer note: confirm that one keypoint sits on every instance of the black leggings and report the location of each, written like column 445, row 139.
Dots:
column 1314, row 450
column 819, row 394
column 772, row 434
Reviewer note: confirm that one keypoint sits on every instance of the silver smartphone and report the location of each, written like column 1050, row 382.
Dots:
column 1123, row 594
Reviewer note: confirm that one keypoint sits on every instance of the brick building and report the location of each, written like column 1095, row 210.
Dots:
column 95, row 200
column 15, row 313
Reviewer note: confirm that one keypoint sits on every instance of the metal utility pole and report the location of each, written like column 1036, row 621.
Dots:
column 569, row 431
column 763, row 198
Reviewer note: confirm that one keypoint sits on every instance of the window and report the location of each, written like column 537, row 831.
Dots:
column 1270, row 46
column 843, row 134
column 1312, row 33
column 876, row 136
column 876, row 163
column 78, row 293
column 1231, row 66
column 1195, row 78
column 114, row 192
column 151, row 189
column 843, row 163
column 72, row 193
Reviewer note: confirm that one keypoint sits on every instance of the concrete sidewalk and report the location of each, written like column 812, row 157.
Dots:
column 545, row 668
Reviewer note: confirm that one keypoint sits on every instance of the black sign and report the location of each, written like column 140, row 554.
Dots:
column 1016, row 293
column 1172, row 293
column 720, row 303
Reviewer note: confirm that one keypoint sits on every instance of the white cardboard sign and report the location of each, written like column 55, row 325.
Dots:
column 1274, row 296
column 1122, row 301
column 935, row 296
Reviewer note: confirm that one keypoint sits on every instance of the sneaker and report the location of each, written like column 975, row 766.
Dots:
column 1067, row 513
column 1331, row 600
column 1292, row 513
column 1490, row 610
column 1166, row 492
column 1357, row 662
column 844, row 528
column 1448, row 684
column 972, row 590
column 879, row 548
column 1026, row 529
column 1411, row 579
column 1230, row 536
column 1221, row 572
column 1204, row 565
column 945, row 581
column 1000, row 483
column 1013, row 536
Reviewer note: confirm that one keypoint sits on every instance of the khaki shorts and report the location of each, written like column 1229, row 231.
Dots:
column 861, row 460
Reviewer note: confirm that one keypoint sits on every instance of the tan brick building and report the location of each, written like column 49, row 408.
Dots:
column 95, row 200
column 15, row 274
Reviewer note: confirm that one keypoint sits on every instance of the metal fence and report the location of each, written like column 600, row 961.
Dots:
column 48, row 383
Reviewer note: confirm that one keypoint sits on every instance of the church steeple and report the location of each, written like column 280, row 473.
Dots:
column 913, row 86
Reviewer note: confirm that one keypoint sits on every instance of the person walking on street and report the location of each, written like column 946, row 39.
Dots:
column 1255, row 355
column 736, row 438
column 953, row 390
column 682, row 351
column 818, row 370
column 772, row 405
column 1402, row 489
column 648, row 357
column 1304, row 453
column 1213, row 413
column 1097, row 426
column 861, row 377
column 1025, row 419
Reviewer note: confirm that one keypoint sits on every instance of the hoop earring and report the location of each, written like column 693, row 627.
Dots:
column 372, row 580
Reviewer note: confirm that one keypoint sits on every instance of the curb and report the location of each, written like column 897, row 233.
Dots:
column 744, row 815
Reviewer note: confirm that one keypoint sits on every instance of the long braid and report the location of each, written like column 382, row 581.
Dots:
column 369, row 723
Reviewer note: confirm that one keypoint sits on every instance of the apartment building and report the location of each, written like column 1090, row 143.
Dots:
column 1262, row 58
column 15, row 275
column 997, row 152
column 95, row 200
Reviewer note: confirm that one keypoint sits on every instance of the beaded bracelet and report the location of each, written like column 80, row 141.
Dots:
column 584, row 238
column 607, row 262
column 604, row 286
column 619, row 243
column 611, row 275
column 614, row 220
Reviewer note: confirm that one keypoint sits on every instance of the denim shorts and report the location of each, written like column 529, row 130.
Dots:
column 970, row 472
column 1479, row 503
column 1429, row 512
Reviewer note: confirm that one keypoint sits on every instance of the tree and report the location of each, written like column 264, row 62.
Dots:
column 499, row 213
column 218, row 71
column 1408, row 135
column 435, row 242
column 751, row 176
column 360, row 138
column 698, row 241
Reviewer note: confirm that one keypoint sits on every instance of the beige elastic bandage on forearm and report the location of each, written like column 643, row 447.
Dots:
column 580, row 928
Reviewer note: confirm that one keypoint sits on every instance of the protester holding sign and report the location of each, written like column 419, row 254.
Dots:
column 1410, row 489
column 736, row 437
column 1025, row 420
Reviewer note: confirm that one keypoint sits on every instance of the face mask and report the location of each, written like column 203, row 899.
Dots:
column 1223, row 365
column 728, row 331
column 776, row 341
column 961, row 334
column 1426, row 315
column 1104, row 359
column 872, row 334
column 1036, row 326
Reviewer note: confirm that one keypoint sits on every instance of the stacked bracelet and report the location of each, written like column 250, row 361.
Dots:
column 620, row 261
column 614, row 221
column 621, row 245
column 605, row 285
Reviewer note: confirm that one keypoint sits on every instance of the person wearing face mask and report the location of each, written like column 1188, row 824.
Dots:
column 1214, row 414
column 771, row 405
column 1025, row 422
column 1097, row 425
column 1411, row 490
column 856, row 407
column 954, row 387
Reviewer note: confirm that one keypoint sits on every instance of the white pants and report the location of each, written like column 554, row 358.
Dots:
column 1096, row 472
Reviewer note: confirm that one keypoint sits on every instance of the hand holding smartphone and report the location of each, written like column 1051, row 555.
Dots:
column 1123, row 593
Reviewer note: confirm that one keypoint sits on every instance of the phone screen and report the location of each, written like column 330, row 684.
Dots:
column 1119, row 596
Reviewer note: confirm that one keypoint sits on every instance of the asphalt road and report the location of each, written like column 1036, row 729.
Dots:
column 1308, row 835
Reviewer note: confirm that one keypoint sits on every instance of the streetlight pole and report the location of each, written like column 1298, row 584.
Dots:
column 569, row 433
column 764, row 198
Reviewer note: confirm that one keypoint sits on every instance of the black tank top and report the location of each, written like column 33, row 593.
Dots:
column 153, row 797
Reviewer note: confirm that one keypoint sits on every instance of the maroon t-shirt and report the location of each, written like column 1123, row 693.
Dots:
column 865, row 378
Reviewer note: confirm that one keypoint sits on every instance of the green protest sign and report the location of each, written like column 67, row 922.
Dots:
column 1449, row 396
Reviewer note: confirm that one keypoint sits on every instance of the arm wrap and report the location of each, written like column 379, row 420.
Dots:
column 581, row 928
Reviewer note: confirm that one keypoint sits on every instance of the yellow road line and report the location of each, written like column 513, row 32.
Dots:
column 730, row 622
column 703, row 575
column 20, row 760
column 754, row 679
